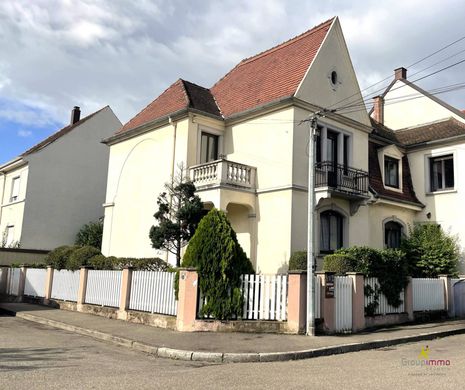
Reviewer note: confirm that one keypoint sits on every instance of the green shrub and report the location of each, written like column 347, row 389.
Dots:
column 58, row 258
column 365, row 257
column 220, row 261
column 81, row 257
column 102, row 262
column 90, row 235
column 144, row 264
column 430, row 251
column 339, row 263
column 298, row 261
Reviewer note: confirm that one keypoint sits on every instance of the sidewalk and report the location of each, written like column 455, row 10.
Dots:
column 226, row 347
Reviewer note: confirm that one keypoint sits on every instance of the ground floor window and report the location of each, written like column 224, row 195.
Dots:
column 392, row 234
column 331, row 231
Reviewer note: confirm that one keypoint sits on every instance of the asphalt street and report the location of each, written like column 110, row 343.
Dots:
column 34, row 356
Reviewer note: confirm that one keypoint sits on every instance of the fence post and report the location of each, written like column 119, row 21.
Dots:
column 408, row 299
column 48, row 285
column 125, row 296
column 448, row 295
column 187, row 299
column 22, row 282
column 297, row 301
column 4, row 270
column 81, row 299
column 358, row 300
column 328, row 302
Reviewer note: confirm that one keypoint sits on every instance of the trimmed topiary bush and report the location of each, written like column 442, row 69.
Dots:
column 339, row 263
column 81, row 257
column 220, row 261
column 90, row 235
column 59, row 257
column 298, row 261
column 365, row 257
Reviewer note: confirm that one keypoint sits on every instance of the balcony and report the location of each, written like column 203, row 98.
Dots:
column 347, row 182
column 223, row 173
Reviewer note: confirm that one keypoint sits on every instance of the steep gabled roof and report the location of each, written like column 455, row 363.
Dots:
column 60, row 133
column 376, row 179
column 180, row 95
column 431, row 132
column 270, row 75
column 273, row 74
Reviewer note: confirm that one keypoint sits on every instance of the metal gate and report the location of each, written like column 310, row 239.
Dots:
column 343, row 305
column 459, row 298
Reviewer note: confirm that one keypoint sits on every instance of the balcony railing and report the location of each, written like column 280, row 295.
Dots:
column 341, row 178
column 223, row 172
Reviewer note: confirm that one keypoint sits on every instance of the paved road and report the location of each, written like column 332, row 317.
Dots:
column 34, row 356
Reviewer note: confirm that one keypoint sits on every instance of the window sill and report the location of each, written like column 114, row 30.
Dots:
column 439, row 192
column 13, row 203
column 390, row 188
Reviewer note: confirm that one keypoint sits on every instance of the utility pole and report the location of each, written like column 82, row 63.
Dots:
column 310, row 323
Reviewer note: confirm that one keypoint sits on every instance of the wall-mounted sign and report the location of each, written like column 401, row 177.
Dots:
column 329, row 285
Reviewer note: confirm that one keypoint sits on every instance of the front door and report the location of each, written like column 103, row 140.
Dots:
column 331, row 154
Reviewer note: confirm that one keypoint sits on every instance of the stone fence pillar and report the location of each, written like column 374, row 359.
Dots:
column 4, row 271
column 448, row 295
column 125, row 293
column 22, row 282
column 328, row 301
column 48, row 284
column 81, row 299
column 297, row 301
column 408, row 299
column 187, row 299
column 358, row 300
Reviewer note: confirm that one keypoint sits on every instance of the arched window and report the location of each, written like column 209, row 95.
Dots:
column 392, row 234
column 331, row 231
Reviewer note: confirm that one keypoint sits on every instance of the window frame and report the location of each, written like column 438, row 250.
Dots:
column 14, row 197
column 387, row 230
column 387, row 177
column 340, row 220
column 9, row 240
column 442, row 158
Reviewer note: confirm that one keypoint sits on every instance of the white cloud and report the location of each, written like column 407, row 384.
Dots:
column 24, row 133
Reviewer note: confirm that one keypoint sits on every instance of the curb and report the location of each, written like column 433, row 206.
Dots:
column 220, row 357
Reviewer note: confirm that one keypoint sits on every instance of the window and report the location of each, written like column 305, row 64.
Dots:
column 9, row 235
column 441, row 172
column 345, row 161
column 392, row 234
column 14, row 189
column 331, row 226
column 208, row 148
column 391, row 172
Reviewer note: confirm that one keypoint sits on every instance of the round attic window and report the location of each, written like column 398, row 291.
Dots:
column 334, row 77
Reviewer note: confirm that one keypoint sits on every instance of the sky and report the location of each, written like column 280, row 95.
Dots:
column 56, row 54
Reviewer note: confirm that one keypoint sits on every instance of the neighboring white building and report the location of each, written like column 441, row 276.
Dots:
column 431, row 134
column 51, row 190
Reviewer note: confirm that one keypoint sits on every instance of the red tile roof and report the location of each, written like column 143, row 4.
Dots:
column 431, row 132
column 268, row 76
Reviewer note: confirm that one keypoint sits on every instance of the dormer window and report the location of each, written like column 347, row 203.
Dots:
column 391, row 172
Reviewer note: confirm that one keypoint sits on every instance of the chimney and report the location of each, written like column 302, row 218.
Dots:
column 75, row 115
column 400, row 73
column 378, row 109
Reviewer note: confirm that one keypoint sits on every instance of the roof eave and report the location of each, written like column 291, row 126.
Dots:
column 441, row 141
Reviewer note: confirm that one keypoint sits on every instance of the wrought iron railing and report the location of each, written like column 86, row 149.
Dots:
column 341, row 178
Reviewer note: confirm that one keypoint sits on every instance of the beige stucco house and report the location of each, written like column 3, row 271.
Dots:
column 245, row 145
column 51, row 190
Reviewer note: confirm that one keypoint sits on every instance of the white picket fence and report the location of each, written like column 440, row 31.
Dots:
column 153, row 292
column 265, row 297
column 103, row 288
column 343, row 306
column 383, row 306
column 65, row 285
column 13, row 281
column 428, row 294
column 35, row 282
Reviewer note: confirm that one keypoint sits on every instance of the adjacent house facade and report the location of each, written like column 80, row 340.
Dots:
column 51, row 190
column 431, row 134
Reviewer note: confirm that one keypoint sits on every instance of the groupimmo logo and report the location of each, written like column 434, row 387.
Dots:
column 424, row 360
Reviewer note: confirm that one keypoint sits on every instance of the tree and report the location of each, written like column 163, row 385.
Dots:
column 430, row 251
column 220, row 261
column 179, row 213
column 90, row 234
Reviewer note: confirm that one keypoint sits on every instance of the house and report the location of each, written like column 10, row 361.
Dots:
column 52, row 189
column 245, row 146
column 431, row 135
